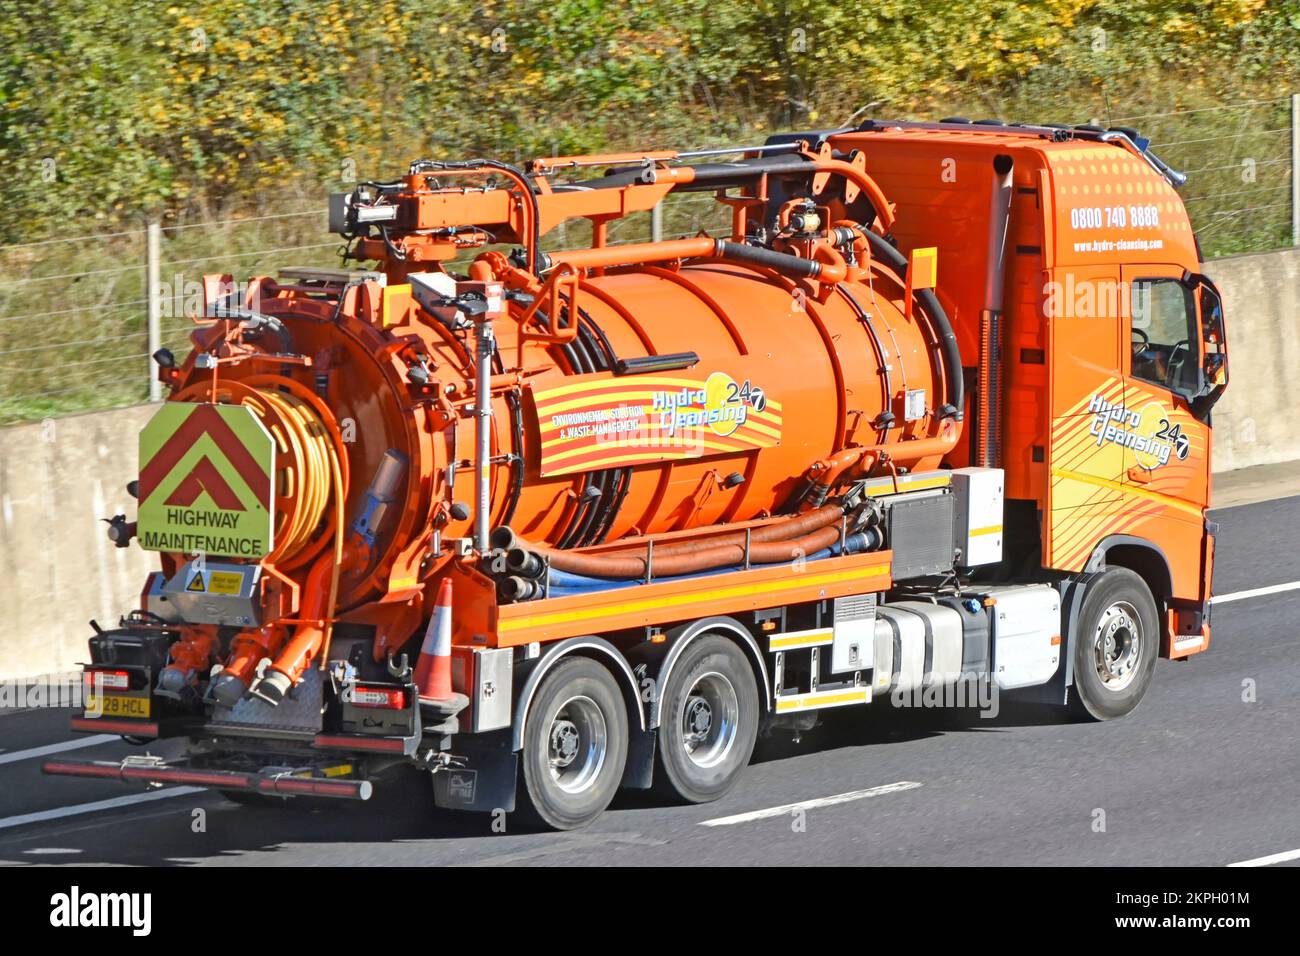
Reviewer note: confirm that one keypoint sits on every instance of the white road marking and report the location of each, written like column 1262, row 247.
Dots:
column 80, row 743
column 126, row 801
column 60, row 812
column 811, row 804
column 1255, row 592
column 1270, row 860
column 49, row 851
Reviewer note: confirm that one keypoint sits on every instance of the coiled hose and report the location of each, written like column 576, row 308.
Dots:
column 311, row 480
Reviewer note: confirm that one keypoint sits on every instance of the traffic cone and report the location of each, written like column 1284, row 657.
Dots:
column 433, row 670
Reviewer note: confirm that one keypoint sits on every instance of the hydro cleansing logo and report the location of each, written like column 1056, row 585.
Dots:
column 75, row 909
column 1150, row 433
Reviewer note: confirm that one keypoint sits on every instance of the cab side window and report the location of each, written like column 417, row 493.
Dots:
column 1165, row 336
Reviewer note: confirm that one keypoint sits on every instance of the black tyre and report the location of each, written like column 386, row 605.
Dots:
column 1115, row 645
column 708, row 722
column 575, row 746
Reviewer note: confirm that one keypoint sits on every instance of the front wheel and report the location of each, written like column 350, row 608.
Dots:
column 575, row 745
column 1115, row 645
column 708, row 721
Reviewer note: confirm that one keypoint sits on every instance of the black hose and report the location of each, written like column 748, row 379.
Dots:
column 534, row 240
column 516, row 444
column 577, row 350
column 929, row 304
column 255, row 323
column 622, row 481
column 708, row 176
column 793, row 266
column 865, row 318
column 590, row 524
column 517, row 449
column 601, row 513
column 601, row 480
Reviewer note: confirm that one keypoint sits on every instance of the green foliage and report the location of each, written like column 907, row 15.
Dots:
column 115, row 113
column 147, row 107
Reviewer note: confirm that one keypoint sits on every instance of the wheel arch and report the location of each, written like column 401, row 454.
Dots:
column 1147, row 560
column 594, row 648
column 682, row 636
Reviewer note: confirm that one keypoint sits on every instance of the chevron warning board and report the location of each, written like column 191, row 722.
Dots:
column 206, row 481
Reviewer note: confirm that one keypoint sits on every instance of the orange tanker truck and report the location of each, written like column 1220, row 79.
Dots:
column 545, row 523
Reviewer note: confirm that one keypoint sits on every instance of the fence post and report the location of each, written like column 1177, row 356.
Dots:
column 153, row 279
column 1295, row 169
column 657, row 222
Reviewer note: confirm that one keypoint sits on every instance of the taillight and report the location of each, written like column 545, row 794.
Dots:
column 371, row 695
column 103, row 679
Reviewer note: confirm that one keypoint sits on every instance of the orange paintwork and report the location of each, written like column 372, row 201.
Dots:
column 1066, row 249
column 795, row 352
column 653, row 604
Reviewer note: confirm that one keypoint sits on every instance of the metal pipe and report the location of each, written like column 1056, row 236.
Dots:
column 568, row 585
column 641, row 566
column 989, row 438
column 484, row 347
column 522, row 560
column 702, row 247
column 730, row 150
column 1295, row 169
column 278, row 784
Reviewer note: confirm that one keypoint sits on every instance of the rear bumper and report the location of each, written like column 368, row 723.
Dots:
column 107, row 725
column 275, row 784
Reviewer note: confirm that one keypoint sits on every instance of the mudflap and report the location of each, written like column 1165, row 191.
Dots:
column 640, row 769
column 483, row 778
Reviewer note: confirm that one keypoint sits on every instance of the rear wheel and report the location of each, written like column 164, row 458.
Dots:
column 575, row 745
column 708, row 722
column 1115, row 645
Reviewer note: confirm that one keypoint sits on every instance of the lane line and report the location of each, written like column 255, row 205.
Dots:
column 811, row 804
column 1270, row 860
column 1255, row 592
column 92, row 741
column 59, row 813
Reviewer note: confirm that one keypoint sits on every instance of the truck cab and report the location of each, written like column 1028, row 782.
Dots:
column 1110, row 342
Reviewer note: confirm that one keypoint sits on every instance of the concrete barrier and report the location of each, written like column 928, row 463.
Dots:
column 59, row 477
column 57, row 567
column 1255, row 423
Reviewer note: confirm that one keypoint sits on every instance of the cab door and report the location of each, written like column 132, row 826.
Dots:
column 1166, row 445
column 1087, row 339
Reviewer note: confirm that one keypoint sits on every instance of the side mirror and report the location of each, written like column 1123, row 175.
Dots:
column 1214, row 345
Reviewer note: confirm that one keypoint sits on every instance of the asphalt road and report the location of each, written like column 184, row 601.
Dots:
column 1196, row 776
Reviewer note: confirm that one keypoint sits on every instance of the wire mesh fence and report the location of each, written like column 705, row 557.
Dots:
column 1239, row 161
column 74, row 311
column 75, row 339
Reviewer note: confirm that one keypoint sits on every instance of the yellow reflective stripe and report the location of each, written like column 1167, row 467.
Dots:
column 991, row 529
column 858, row 695
column 793, row 639
column 805, row 581
column 904, row 484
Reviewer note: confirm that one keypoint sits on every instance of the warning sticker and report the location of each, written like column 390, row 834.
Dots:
column 206, row 485
column 216, row 582
column 225, row 582
column 603, row 423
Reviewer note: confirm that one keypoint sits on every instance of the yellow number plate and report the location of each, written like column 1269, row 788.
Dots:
column 117, row 705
